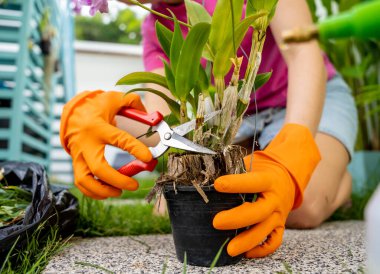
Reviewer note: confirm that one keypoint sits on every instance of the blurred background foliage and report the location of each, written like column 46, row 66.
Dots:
column 124, row 28
column 359, row 63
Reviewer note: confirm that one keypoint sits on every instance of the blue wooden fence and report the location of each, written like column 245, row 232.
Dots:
column 33, row 84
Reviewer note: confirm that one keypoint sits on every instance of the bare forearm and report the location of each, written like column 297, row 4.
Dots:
column 306, row 69
column 306, row 89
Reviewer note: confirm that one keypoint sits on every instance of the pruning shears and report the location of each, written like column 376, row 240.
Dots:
column 168, row 138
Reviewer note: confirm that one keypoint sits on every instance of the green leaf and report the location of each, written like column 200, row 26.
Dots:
column 221, row 24
column 197, row 90
column 145, row 77
column 173, row 105
column 193, row 102
column 261, row 79
column 250, row 9
column 196, row 13
column 222, row 62
column 254, row 6
column 171, row 120
column 170, row 80
column 164, row 36
column 373, row 112
column 313, row 9
column 207, row 53
column 328, row 5
column 177, row 42
column 188, row 64
column 357, row 71
column 347, row 4
column 184, row 263
column 217, row 256
column 352, row 72
column 369, row 94
column 204, row 81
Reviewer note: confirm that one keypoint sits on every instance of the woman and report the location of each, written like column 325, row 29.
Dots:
column 307, row 120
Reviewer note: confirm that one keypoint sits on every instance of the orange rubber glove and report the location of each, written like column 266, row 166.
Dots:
column 87, row 125
column 279, row 174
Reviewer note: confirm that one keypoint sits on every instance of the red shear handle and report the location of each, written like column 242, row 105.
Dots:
column 150, row 119
column 136, row 166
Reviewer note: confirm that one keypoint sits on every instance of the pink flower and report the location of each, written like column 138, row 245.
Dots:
column 95, row 5
column 99, row 5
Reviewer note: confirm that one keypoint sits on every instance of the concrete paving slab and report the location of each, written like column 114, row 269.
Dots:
column 336, row 247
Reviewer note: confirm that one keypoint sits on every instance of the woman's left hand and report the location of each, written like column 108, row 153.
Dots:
column 279, row 174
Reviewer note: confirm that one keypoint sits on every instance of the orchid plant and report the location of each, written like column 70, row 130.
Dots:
column 197, row 91
column 95, row 5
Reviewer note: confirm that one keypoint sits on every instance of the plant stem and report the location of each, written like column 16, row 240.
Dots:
column 183, row 112
column 198, row 131
column 245, row 92
column 137, row 3
column 220, row 86
column 253, row 67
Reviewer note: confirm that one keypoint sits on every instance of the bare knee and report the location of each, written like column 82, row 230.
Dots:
column 311, row 214
column 317, row 207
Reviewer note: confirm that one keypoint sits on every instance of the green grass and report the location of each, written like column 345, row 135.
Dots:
column 146, row 185
column 117, row 217
column 13, row 203
column 354, row 211
column 102, row 218
column 35, row 255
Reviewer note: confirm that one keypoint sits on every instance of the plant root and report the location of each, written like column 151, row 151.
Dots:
column 190, row 169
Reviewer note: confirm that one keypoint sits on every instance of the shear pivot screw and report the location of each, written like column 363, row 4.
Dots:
column 167, row 136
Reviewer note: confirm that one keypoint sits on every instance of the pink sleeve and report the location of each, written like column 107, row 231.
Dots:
column 152, row 52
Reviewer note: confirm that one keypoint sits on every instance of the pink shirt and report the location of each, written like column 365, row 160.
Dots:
column 272, row 94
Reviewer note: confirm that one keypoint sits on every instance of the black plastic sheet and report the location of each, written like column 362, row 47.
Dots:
column 50, row 205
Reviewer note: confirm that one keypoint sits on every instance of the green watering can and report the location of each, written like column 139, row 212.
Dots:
column 362, row 22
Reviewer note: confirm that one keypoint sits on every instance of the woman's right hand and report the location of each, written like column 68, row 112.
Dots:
column 87, row 125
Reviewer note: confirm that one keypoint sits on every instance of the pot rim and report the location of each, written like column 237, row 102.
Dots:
column 170, row 187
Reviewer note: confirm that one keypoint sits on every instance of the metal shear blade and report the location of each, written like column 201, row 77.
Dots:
column 189, row 126
column 177, row 141
column 173, row 137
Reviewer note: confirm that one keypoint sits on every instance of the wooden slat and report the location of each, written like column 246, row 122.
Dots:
column 36, row 35
column 7, row 74
column 36, row 77
column 35, row 92
column 8, row 14
column 4, row 134
column 36, row 58
column 39, row 114
column 37, row 128
column 11, row 24
column 34, row 143
column 6, row 113
column 8, row 55
column 4, row 154
column 39, row 6
column 6, row 93
column 32, row 158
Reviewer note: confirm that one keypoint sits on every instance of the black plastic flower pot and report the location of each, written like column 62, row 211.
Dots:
column 191, row 222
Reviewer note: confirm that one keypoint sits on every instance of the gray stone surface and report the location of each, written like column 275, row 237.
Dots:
column 336, row 247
